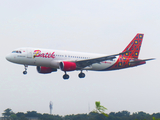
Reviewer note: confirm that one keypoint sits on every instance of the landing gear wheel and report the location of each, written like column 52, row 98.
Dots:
column 65, row 76
column 24, row 72
column 81, row 75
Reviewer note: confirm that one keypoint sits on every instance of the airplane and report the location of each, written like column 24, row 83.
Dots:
column 48, row 60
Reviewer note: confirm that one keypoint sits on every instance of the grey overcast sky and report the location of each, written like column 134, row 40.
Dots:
column 95, row 26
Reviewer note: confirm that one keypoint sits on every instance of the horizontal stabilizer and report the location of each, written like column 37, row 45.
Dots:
column 138, row 61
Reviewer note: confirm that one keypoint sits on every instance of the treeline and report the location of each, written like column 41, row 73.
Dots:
column 123, row 115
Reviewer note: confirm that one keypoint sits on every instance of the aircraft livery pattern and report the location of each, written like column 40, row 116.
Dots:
column 133, row 47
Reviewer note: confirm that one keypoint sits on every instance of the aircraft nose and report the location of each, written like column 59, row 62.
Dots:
column 8, row 57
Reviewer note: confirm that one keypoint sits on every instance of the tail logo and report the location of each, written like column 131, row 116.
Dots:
column 134, row 47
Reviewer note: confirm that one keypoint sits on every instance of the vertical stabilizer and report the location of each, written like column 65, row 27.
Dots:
column 134, row 46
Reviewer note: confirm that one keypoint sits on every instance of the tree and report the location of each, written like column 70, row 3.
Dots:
column 14, row 117
column 31, row 114
column 100, row 109
column 156, row 115
column 7, row 112
column 155, row 118
column 20, row 114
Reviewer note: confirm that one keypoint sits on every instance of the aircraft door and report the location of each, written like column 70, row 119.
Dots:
column 29, row 53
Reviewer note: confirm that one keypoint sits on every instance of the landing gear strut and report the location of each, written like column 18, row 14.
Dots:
column 81, row 75
column 25, row 71
column 65, row 76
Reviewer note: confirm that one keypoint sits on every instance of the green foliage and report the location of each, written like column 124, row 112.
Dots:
column 100, row 109
column 155, row 118
column 76, row 117
column 7, row 112
column 95, row 115
column 13, row 117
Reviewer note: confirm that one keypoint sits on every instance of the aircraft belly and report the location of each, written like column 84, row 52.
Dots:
column 42, row 62
column 47, row 62
column 54, row 63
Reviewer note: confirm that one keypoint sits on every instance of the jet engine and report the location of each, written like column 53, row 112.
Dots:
column 67, row 66
column 44, row 70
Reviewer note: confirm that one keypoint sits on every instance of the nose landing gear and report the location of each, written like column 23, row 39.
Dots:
column 25, row 71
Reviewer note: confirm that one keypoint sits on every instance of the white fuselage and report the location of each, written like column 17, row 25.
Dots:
column 48, row 60
column 52, row 58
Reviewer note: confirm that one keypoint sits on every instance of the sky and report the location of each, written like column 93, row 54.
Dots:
column 94, row 26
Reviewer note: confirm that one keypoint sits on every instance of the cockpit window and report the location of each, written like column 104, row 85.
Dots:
column 16, row 52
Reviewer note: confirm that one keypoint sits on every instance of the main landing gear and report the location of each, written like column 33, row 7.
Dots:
column 25, row 71
column 80, row 75
column 65, row 76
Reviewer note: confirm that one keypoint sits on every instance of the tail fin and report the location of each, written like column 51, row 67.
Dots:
column 134, row 47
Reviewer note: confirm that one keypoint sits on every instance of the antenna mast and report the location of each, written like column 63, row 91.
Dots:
column 50, row 107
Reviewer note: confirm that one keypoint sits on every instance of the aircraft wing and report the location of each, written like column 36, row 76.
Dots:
column 87, row 62
column 143, row 60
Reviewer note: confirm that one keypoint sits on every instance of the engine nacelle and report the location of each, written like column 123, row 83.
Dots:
column 67, row 66
column 45, row 70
